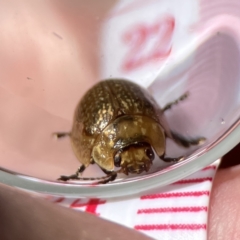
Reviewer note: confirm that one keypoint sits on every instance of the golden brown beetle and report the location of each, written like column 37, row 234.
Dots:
column 118, row 124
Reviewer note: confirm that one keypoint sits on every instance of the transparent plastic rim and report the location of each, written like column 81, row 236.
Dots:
column 195, row 162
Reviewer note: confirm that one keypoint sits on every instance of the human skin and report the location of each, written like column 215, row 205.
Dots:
column 25, row 217
column 224, row 215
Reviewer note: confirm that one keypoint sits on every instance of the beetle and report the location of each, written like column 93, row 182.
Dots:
column 118, row 124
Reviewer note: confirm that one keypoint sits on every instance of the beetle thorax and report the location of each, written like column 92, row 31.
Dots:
column 123, row 136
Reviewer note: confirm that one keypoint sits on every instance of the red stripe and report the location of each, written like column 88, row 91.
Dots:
column 209, row 167
column 77, row 203
column 91, row 205
column 171, row 210
column 149, row 227
column 58, row 200
column 176, row 194
column 194, row 180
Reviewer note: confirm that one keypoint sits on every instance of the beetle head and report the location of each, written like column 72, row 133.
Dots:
column 134, row 158
column 128, row 142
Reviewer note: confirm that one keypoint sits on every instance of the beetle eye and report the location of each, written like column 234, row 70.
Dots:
column 117, row 160
column 150, row 154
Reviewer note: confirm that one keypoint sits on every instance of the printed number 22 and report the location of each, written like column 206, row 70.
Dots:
column 148, row 43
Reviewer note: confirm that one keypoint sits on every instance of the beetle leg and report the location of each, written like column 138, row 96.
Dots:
column 169, row 105
column 61, row 134
column 70, row 177
column 81, row 169
column 73, row 176
column 111, row 178
column 187, row 142
column 102, row 180
column 171, row 160
column 106, row 171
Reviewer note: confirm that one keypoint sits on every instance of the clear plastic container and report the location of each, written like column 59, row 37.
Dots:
column 53, row 51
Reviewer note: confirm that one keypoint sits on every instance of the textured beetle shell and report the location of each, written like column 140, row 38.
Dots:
column 101, row 105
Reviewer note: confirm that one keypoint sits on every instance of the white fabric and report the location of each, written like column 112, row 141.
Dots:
column 178, row 211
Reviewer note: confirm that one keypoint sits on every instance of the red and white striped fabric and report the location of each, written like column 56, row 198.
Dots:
column 178, row 211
